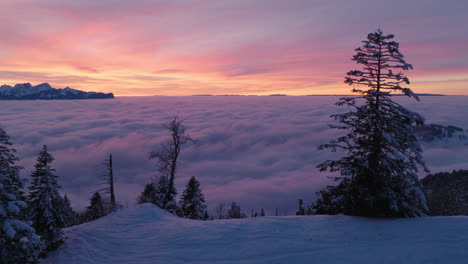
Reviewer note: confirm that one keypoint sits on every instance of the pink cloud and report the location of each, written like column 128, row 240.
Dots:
column 260, row 151
column 220, row 47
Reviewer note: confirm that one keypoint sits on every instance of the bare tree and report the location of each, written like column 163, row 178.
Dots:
column 108, row 189
column 167, row 157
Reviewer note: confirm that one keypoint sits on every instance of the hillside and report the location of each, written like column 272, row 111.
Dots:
column 145, row 234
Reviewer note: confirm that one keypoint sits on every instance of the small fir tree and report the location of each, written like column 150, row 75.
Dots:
column 235, row 211
column 161, row 191
column 192, row 202
column 46, row 205
column 148, row 195
column 70, row 215
column 18, row 240
column 96, row 208
column 378, row 174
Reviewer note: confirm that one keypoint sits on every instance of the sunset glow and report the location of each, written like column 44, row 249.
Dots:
column 136, row 48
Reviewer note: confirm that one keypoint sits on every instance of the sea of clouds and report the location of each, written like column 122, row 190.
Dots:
column 259, row 151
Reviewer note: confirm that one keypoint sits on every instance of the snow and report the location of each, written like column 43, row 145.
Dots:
column 146, row 234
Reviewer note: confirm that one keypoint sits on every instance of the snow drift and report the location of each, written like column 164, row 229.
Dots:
column 146, row 234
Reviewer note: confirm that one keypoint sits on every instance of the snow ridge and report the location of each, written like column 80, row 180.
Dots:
column 146, row 234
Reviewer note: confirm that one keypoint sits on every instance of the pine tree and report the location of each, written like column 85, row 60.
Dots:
column 192, row 202
column 148, row 195
column 96, row 208
column 378, row 174
column 167, row 157
column 162, row 190
column 46, row 205
column 70, row 215
column 18, row 240
column 235, row 211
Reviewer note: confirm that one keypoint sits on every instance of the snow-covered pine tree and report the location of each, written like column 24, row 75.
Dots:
column 96, row 208
column 161, row 190
column 192, row 202
column 378, row 174
column 47, row 212
column 18, row 240
column 148, row 195
column 167, row 157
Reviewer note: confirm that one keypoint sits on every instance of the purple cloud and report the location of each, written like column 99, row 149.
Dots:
column 260, row 151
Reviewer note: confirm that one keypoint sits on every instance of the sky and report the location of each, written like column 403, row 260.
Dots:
column 260, row 151
column 186, row 47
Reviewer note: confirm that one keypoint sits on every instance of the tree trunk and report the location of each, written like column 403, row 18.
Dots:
column 111, row 183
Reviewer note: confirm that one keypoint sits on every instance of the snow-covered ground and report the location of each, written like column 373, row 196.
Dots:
column 146, row 234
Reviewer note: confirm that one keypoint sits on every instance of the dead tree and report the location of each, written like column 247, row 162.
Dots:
column 167, row 157
column 108, row 189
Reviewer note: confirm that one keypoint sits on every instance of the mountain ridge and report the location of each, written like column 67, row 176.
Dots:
column 43, row 91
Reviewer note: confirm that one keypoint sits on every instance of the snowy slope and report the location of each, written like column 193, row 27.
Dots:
column 145, row 234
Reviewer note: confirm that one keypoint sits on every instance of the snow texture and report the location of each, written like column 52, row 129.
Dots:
column 146, row 234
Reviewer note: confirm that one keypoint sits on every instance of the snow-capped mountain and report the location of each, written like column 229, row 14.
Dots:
column 25, row 91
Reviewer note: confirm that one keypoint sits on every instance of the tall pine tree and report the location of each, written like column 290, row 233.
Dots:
column 18, row 240
column 378, row 174
column 46, row 205
column 192, row 202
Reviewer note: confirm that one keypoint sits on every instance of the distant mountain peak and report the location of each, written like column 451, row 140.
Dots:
column 43, row 91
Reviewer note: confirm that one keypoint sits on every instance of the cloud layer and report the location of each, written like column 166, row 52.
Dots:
column 260, row 151
column 184, row 47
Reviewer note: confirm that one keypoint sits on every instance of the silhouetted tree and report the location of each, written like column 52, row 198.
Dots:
column 18, row 240
column 206, row 216
column 192, row 202
column 447, row 192
column 235, row 211
column 378, row 174
column 108, row 189
column 96, row 208
column 69, row 214
column 167, row 157
column 221, row 211
column 148, row 195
